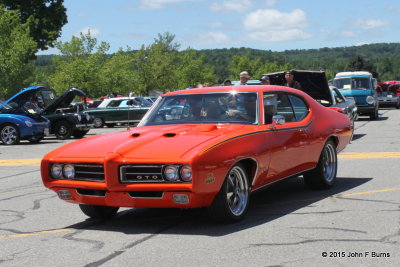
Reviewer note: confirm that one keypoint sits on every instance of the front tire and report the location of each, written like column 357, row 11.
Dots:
column 98, row 212
column 324, row 175
column 62, row 130
column 9, row 134
column 232, row 201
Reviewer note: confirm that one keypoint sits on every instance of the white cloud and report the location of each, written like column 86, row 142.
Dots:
column 367, row 24
column 271, row 36
column 230, row 6
column 157, row 4
column 93, row 32
column 209, row 38
column 393, row 9
column 269, row 25
column 349, row 34
column 263, row 19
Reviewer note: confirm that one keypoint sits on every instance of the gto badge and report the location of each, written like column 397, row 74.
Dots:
column 210, row 178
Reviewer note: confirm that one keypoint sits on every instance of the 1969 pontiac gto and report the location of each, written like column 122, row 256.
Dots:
column 209, row 147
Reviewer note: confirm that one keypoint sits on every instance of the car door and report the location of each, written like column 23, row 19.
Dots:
column 289, row 141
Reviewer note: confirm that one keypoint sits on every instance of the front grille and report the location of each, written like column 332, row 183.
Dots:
column 141, row 174
column 89, row 172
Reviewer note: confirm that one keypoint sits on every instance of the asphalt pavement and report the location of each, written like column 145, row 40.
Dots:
column 356, row 223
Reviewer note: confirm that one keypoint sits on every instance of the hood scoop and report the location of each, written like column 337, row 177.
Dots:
column 169, row 134
column 135, row 135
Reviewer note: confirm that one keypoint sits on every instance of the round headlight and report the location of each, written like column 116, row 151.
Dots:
column 186, row 173
column 79, row 117
column 56, row 171
column 69, row 171
column 28, row 123
column 87, row 116
column 171, row 173
column 370, row 100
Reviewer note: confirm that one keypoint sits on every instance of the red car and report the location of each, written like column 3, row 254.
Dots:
column 208, row 147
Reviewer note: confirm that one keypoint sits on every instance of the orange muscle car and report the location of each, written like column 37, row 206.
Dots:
column 208, row 147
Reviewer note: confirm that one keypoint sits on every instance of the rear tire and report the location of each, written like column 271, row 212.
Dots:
column 98, row 212
column 232, row 201
column 98, row 122
column 324, row 175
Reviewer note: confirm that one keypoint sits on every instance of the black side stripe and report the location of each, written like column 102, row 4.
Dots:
column 258, row 132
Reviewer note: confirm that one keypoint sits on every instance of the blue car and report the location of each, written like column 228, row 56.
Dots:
column 19, row 123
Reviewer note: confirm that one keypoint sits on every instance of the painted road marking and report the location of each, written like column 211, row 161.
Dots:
column 285, row 202
column 343, row 156
column 20, row 162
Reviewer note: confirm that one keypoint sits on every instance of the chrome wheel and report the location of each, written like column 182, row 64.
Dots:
column 324, row 175
column 9, row 135
column 237, row 194
column 329, row 161
column 232, row 201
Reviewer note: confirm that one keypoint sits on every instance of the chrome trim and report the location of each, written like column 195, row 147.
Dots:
column 122, row 174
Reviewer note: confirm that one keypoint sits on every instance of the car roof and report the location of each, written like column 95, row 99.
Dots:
column 237, row 88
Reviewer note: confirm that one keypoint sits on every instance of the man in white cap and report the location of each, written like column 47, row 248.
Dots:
column 244, row 77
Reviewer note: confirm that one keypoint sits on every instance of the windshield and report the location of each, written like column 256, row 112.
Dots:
column 352, row 83
column 217, row 108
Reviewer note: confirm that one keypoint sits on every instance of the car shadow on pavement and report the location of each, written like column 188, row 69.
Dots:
column 266, row 206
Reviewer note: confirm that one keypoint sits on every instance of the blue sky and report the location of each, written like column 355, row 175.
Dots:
column 275, row 25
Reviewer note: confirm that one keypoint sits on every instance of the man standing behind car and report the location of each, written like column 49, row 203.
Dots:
column 265, row 80
column 290, row 82
column 244, row 77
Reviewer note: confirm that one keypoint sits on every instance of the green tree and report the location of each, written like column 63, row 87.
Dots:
column 16, row 47
column 117, row 75
column 192, row 70
column 79, row 65
column 155, row 65
column 358, row 63
column 44, row 17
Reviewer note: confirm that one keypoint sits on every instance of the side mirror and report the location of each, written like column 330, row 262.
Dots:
column 277, row 120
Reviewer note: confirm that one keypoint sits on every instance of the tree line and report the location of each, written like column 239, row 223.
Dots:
column 85, row 63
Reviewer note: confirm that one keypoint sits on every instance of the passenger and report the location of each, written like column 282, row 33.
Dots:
column 290, row 82
column 265, row 80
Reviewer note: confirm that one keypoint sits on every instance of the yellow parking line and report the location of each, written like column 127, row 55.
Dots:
column 19, row 162
column 365, row 193
column 37, row 233
column 368, row 155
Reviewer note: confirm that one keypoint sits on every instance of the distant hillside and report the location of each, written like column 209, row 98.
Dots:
column 383, row 56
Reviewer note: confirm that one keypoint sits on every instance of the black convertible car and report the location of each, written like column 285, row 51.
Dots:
column 65, row 120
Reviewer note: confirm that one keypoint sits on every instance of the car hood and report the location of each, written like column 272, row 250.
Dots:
column 356, row 92
column 64, row 100
column 148, row 142
column 314, row 83
column 25, row 95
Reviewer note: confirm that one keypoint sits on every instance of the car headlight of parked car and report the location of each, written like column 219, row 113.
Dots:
column 28, row 123
column 171, row 173
column 370, row 100
column 87, row 116
column 79, row 117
